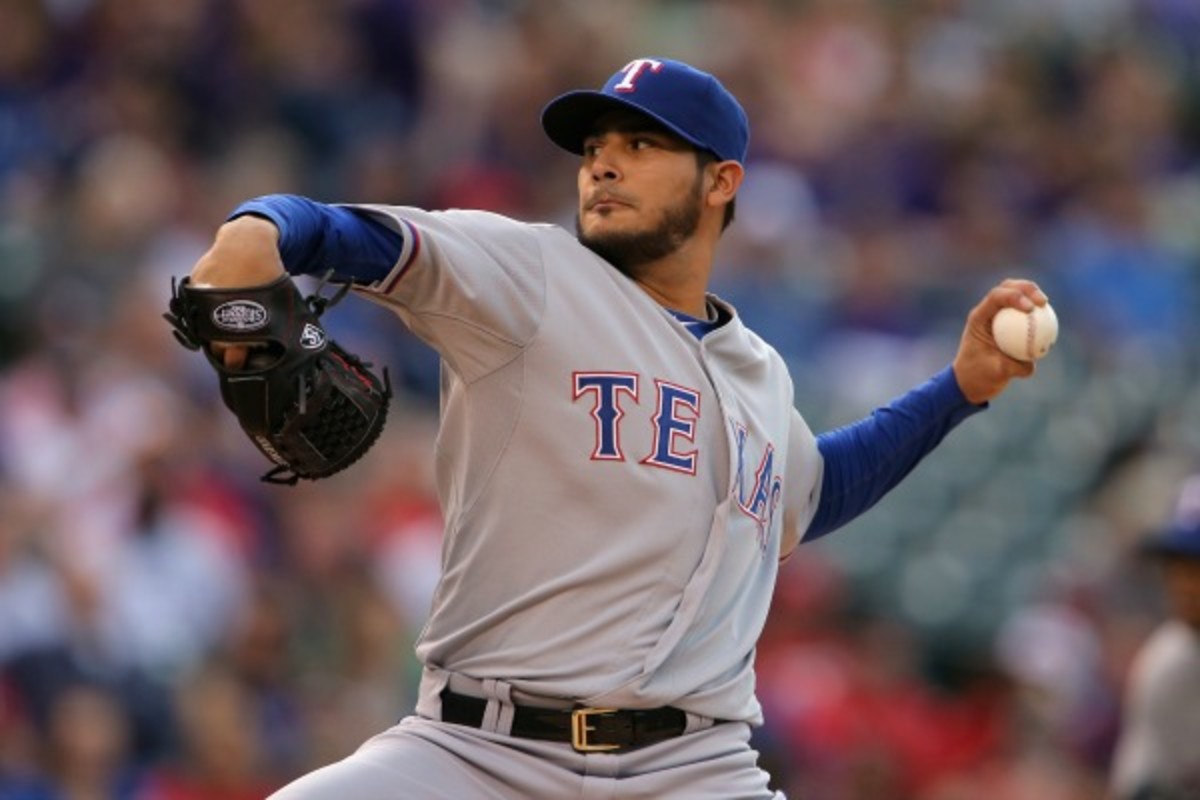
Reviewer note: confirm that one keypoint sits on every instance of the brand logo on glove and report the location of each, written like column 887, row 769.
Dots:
column 240, row 316
column 312, row 337
column 265, row 445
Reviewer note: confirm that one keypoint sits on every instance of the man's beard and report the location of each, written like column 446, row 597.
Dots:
column 631, row 251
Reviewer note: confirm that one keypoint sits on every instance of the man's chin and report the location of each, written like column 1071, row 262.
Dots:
column 603, row 243
column 627, row 252
column 630, row 249
column 602, row 226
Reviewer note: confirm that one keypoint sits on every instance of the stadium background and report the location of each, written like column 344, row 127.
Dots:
column 171, row 628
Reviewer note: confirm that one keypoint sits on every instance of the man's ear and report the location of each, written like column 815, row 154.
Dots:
column 726, row 179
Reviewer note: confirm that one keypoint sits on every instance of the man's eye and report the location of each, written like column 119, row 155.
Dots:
column 642, row 144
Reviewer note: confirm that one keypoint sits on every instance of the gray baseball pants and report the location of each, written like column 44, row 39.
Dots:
column 423, row 759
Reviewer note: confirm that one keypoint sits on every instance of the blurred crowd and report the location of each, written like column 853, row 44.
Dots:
column 171, row 628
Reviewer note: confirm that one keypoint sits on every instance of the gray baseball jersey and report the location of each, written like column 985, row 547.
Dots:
column 1161, row 728
column 614, row 489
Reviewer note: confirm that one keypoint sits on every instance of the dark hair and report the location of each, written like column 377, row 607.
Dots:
column 703, row 159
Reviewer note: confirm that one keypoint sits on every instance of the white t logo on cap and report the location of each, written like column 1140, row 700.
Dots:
column 633, row 70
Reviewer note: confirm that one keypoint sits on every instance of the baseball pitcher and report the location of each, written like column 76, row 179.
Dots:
column 619, row 462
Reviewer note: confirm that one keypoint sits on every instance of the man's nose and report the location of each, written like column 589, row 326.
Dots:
column 604, row 168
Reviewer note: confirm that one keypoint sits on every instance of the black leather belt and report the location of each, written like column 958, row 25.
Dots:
column 588, row 730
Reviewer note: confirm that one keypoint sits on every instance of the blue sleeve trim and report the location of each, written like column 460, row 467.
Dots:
column 865, row 460
column 315, row 237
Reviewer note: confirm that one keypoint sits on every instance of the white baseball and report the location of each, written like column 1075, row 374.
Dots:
column 1026, row 336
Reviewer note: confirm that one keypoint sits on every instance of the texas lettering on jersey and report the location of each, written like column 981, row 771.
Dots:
column 760, row 500
column 674, row 421
column 677, row 410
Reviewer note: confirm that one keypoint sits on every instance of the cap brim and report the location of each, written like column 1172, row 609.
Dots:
column 570, row 118
column 1173, row 543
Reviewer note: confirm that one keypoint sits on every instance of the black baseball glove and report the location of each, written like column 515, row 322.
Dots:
column 308, row 405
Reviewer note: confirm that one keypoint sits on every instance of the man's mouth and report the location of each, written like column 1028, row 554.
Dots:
column 607, row 202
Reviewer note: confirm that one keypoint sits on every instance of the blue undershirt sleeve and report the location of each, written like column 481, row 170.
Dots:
column 316, row 237
column 866, row 459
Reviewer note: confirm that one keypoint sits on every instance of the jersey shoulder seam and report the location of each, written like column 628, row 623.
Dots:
column 520, row 347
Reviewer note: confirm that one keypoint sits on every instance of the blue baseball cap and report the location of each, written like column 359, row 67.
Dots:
column 690, row 103
column 1181, row 538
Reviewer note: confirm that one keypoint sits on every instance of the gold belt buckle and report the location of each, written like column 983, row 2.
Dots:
column 580, row 729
